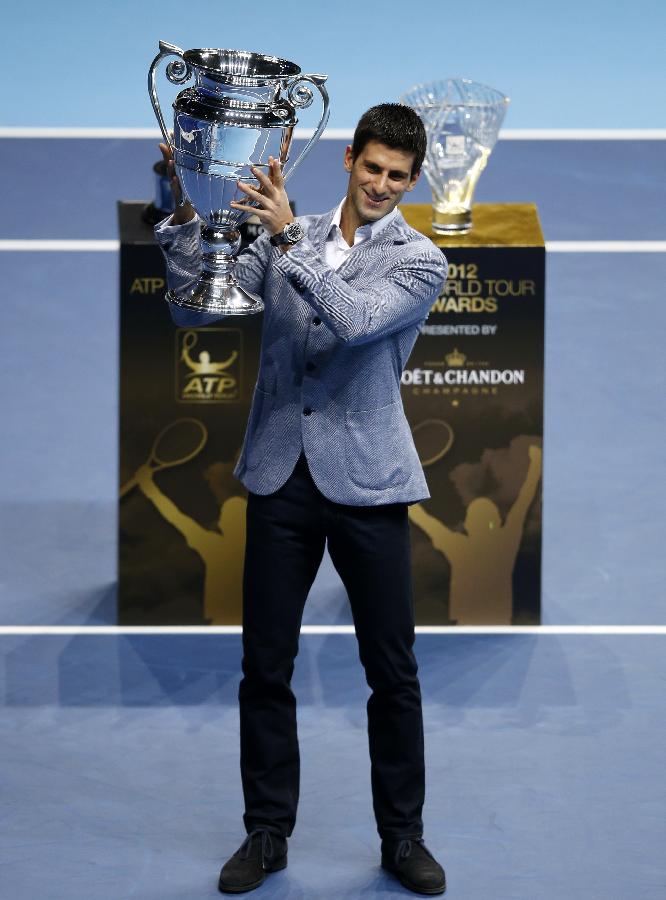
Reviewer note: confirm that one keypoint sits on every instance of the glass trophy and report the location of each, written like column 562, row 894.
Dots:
column 462, row 120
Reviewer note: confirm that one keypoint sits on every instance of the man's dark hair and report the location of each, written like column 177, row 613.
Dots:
column 394, row 125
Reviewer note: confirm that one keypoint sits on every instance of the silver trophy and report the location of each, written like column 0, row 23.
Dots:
column 240, row 110
column 462, row 120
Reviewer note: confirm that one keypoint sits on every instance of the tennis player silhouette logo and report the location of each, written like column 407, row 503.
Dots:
column 222, row 549
column 204, row 380
column 483, row 558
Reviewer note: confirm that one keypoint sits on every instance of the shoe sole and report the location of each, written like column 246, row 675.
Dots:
column 413, row 887
column 280, row 864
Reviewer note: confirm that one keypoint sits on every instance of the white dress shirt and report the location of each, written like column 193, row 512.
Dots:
column 336, row 248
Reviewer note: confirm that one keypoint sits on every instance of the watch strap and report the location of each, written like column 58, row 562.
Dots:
column 290, row 234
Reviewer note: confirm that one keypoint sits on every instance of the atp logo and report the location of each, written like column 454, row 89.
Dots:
column 208, row 365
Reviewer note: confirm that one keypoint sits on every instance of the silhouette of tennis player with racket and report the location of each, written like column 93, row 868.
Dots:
column 177, row 443
column 482, row 560
column 221, row 551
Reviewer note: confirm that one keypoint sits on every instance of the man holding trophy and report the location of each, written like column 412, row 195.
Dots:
column 328, row 459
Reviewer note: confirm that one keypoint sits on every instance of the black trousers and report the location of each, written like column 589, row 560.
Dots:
column 369, row 546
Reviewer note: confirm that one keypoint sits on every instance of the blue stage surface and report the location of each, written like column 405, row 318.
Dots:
column 544, row 768
column 119, row 752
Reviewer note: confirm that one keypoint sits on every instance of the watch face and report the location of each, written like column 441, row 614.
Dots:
column 293, row 232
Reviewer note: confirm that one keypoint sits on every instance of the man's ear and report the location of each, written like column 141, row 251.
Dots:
column 413, row 180
column 349, row 159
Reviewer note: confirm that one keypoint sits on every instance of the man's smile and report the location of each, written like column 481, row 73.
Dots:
column 374, row 201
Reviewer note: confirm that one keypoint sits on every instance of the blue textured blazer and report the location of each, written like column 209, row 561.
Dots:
column 334, row 345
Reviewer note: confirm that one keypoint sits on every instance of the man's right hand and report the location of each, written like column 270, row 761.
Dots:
column 181, row 214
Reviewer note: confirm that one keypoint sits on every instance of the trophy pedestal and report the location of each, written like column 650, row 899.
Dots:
column 511, row 226
column 216, row 291
column 473, row 394
column 219, row 297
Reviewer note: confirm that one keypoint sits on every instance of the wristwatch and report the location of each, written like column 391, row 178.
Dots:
column 290, row 234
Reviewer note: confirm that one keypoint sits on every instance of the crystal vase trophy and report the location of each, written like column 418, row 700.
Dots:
column 462, row 120
column 240, row 110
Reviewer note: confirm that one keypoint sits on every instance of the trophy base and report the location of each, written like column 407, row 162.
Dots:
column 452, row 222
column 226, row 298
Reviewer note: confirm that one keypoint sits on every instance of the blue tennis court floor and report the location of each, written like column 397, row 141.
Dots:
column 119, row 752
column 544, row 762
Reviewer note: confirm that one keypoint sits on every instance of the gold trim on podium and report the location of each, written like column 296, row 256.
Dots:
column 494, row 225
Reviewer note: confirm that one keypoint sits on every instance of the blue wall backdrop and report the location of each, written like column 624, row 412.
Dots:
column 570, row 64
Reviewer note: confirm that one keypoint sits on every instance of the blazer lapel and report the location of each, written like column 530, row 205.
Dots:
column 318, row 231
column 394, row 233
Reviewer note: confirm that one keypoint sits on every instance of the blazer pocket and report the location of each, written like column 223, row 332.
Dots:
column 375, row 450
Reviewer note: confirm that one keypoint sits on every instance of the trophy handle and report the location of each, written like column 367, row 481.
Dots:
column 301, row 96
column 177, row 72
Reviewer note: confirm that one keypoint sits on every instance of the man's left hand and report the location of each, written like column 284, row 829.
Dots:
column 273, row 210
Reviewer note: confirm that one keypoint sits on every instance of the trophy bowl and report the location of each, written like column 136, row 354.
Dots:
column 462, row 120
column 239, row 110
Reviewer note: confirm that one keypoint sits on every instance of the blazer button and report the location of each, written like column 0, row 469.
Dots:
column 309, row 366
column 307, row 411
column 316, row 321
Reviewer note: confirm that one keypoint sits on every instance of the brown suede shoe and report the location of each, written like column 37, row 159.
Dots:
column 414, row 866
column 262, row 851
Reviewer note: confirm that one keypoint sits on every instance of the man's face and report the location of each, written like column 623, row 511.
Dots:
column 378, row 179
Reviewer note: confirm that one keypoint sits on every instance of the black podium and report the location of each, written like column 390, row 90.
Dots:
column 472, row 391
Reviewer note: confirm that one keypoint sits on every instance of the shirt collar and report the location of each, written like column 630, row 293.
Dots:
column 365, row 232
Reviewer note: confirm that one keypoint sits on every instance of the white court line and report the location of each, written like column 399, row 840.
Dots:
column 12, row 246
column 328, row 629
column 112, row 246
column 346, row 134
column 583, row 134
column 606, row 246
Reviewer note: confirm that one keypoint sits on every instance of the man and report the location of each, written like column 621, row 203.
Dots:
column 328, row 457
